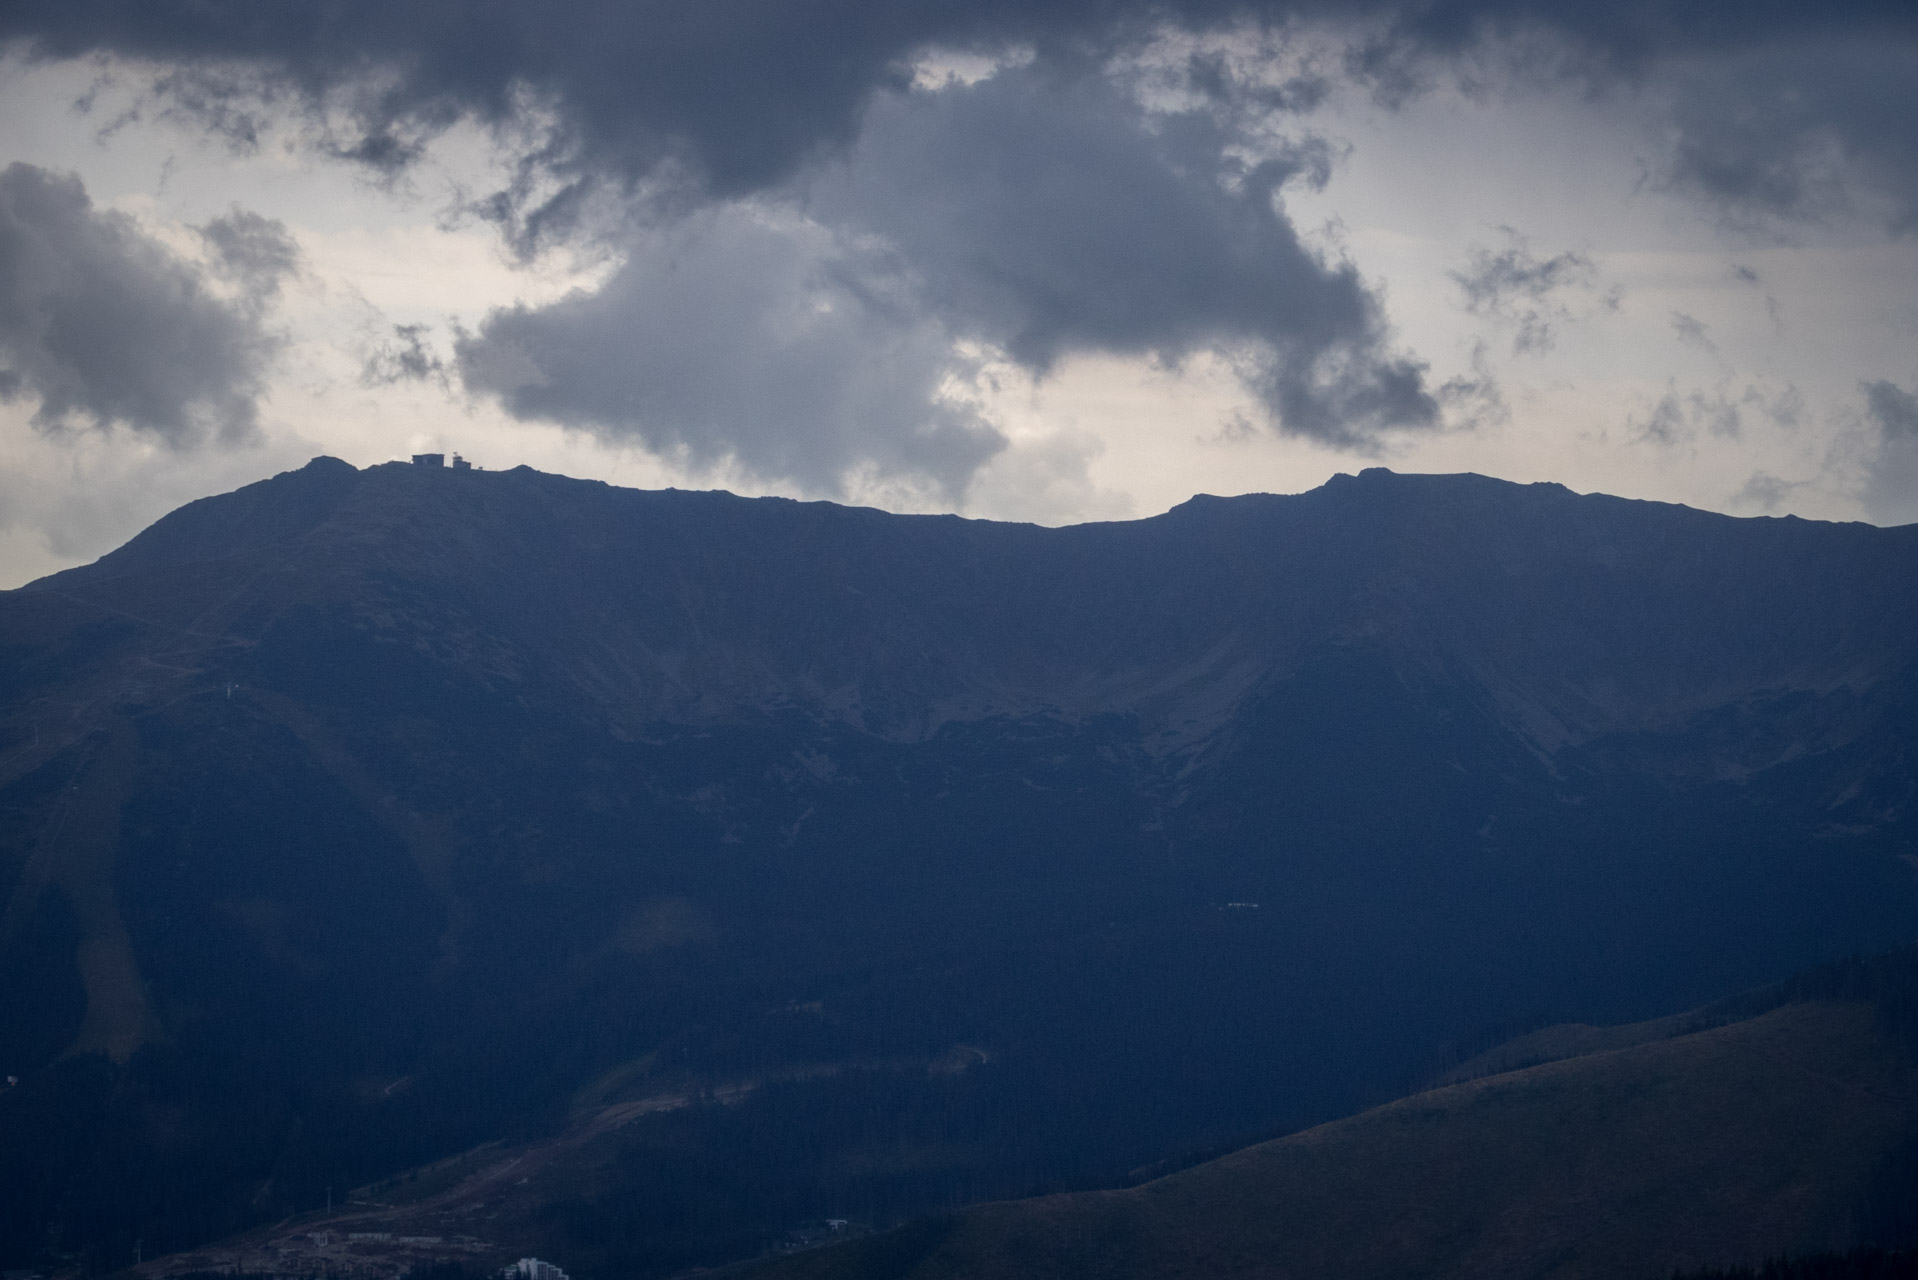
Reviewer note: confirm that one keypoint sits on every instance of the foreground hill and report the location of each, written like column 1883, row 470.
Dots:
column 1788, row 1133
column 360, row 817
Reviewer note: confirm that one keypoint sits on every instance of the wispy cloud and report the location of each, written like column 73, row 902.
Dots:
column 1525, row 292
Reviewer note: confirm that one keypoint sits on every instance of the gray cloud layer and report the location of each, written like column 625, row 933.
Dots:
column 1032, row 214
column 1048, row 215
column 738, row 94
column 745, row 334
column 1792, row 134
column 103, row 325
column 810, row 246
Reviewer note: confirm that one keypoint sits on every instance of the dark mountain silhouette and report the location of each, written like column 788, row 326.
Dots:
column 359, row 817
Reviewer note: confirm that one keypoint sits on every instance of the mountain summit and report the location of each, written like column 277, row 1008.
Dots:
column 358, row 817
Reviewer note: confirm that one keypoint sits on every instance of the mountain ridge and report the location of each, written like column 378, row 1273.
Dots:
column 392, row 499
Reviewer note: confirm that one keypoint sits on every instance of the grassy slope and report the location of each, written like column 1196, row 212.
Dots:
column 1724, row 1146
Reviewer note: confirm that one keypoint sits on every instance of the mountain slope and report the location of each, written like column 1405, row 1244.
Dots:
column 358, row 817
column 1766, row 1137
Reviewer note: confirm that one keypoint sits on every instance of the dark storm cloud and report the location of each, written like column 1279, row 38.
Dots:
column 751, row 336
column 1518, row 288
column 739, row 93
column 101, row 324
column 1049, row 216
column 1041, row 212
column 1029, row 214
column 1794, row 134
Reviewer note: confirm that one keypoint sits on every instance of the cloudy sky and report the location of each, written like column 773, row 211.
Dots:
column 1049, row 262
